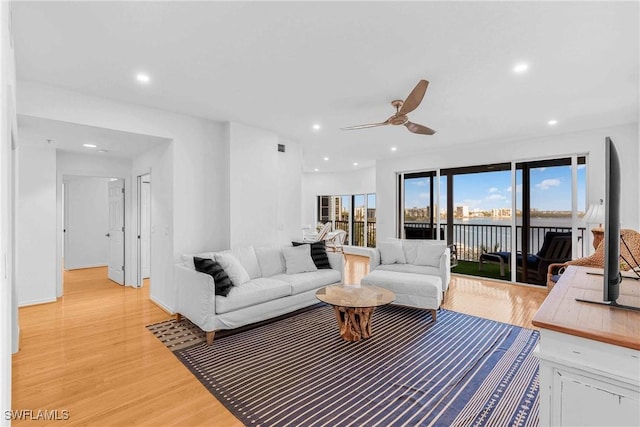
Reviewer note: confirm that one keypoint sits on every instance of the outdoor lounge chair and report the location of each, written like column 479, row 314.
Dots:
column 556, row 248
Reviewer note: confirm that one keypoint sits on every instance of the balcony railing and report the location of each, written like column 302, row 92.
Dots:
column 358, row 232
column 474, row 239
column 471, row 239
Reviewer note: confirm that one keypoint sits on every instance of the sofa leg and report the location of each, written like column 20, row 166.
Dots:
column 210, row 336
column 178, row 317
column 434, row 314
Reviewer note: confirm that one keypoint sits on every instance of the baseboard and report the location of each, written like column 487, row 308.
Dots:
column 162, row 305
column 81, row 267
column 37, row 302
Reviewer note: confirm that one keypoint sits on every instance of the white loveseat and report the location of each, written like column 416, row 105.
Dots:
column 268, row 293
column 417, row 271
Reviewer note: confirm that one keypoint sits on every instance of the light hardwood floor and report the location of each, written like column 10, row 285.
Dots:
column 90, row 353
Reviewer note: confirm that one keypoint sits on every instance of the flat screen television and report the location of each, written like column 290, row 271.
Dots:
column 612, row 277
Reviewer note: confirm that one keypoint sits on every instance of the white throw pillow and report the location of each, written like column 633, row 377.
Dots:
column 233, row 268
column 298, row 259
column 391, row 252
column 429, row 254
column 271, row 261
column 248, row 259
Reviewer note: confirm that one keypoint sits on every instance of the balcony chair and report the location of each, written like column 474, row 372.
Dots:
column 556, row 248
column 335, row 241
column 320, row 235
column 630, row 254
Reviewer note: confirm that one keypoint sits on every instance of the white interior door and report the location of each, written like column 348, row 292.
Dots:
column 116, row 231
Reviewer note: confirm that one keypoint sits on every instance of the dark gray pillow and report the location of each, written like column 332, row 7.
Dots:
column 318, row 253
column 212, row 268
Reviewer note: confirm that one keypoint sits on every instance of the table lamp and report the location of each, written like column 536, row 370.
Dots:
column 595, row 215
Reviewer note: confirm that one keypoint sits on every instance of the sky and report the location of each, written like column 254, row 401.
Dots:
column 550, row 190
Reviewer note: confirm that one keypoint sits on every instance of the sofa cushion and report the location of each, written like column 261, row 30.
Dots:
column 214, row 269
column 391, row 252
column 253, row 292
column 271, row 260
column 410, row 249
column 419, row 285
column 187, row 259
column 298, row 259
column 429, row 253
column 233, row 268
column 248, row 259
column 410, row 268
column 303, row 282
column 318, row 253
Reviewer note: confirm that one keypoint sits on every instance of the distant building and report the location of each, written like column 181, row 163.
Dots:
column 462, row 211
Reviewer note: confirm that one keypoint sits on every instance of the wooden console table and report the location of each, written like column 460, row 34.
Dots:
column 589, row 354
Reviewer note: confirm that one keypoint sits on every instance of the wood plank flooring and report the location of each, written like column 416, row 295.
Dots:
column 90, row 353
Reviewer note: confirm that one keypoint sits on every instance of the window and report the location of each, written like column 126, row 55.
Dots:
column 353, row 213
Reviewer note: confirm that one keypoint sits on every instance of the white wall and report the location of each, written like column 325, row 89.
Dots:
column 158, row 162
column 198, row 216
column 9, row 330
column 265, row 187
column 87, row 222
column 36, row 225
column 590, row 142
column 361, row 181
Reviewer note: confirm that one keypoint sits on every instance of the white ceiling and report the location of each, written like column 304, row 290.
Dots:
column 284, row 66
column 36, row 131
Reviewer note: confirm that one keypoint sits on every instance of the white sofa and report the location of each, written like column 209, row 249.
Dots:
column 270, row 292
column 417, row 271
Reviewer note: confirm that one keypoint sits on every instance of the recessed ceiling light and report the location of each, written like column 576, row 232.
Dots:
column 552, row 122
column 89, row 145
column 102, row 151
column 355, row 163
column 394, row 148
column 521, row 67
column 316, row 126
column 316, row 170
column 326, row 158
column 143, row 78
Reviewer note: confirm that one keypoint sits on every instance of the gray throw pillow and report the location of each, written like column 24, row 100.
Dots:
column 298, row 259
column 391, row 252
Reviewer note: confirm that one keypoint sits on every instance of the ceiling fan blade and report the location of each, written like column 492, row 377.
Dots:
column 370, row 125
column 416, row 128
column 415, row 97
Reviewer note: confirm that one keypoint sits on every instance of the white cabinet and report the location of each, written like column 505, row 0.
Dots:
column 585, row 382
column 589, row 354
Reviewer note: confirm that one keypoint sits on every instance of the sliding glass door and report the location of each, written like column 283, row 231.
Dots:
column 478, row 209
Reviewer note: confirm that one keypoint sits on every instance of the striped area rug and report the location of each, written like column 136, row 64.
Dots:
column 460, row 371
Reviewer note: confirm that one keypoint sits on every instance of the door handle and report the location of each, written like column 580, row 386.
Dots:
column 108, row 235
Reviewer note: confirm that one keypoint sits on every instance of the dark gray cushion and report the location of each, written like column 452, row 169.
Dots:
column 212, row 268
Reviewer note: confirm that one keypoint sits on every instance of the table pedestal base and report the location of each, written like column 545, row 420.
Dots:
column 354, row 322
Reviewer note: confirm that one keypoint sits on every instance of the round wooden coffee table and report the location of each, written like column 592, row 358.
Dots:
column 354, row 306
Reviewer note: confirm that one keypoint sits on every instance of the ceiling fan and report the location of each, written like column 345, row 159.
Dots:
column 402, row 109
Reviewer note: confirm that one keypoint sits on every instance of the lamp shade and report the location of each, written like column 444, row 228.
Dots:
column 595, row 214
